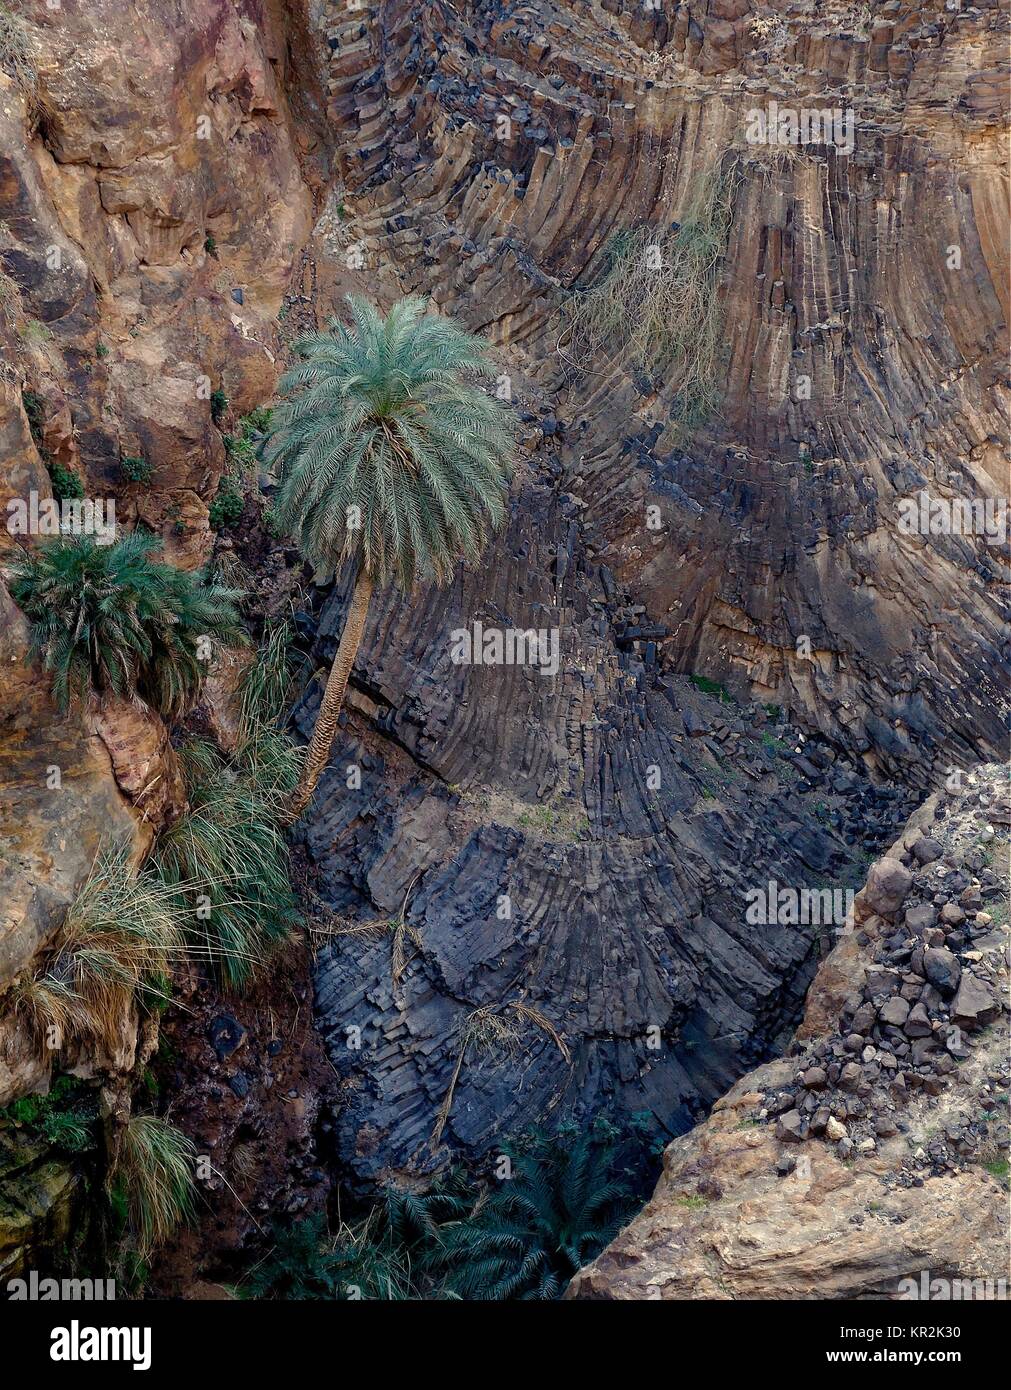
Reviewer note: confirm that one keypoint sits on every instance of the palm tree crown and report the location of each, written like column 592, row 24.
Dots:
column 389, row 455
column 111, row 618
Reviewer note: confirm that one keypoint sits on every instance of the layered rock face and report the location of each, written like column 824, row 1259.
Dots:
column 580, row 843
column 866, row 1163
column 154, row 204
column 491, row 151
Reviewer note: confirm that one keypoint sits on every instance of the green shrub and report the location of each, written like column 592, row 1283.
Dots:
column 111, row 618
column 66, row 1118
column 135, row 469
column 35, row 410
column 65, row 482
column 219, row 404
column 227, row 505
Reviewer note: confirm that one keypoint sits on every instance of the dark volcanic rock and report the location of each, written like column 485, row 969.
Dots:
column 564, row 855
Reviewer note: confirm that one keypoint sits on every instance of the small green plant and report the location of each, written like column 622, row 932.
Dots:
column 101, row 349
column 998, row 1169
column 35, row 410
column 219, row 404
column 34, row 332
column 153, row 1183
column 211, row 246
column 226, row 508
column 65, row 1118
column 65, row 482
column 135, row 469
column 710, row 687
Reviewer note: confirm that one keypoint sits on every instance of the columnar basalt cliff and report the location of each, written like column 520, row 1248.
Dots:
column 747, row 671
column 494, row 150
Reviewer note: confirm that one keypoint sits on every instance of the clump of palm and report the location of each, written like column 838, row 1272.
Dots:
column 387, row 1255
column 228, row 858
column 391, row 458
column 565, row 1200
column 153, row 1182
column 112, row 618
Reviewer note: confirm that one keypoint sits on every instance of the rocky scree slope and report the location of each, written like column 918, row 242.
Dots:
column 878, row 1149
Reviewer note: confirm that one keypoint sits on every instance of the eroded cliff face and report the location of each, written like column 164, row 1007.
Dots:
column 871, row 1155
column 493, row 152
column 156, row 196
column 580, row 843
column 489, row 154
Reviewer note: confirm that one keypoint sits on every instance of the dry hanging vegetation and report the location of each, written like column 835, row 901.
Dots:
column 17, row 55
column 657, row 304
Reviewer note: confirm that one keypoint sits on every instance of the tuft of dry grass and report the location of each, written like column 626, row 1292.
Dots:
column 490, row 1029
column 117, row 944
column 17, row 51
column 657, row 304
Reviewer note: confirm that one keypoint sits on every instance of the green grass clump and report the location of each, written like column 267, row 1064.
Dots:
column 709, row 687
column 657, row 303
column 153, row 1183
column 229, row 859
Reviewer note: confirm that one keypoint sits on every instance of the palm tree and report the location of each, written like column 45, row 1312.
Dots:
column 109, row 618
column 525, row 1239
column 391, row 458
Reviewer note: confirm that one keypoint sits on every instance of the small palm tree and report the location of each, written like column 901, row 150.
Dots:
column 525, row 1239
column 111, row 618
column 390, row 457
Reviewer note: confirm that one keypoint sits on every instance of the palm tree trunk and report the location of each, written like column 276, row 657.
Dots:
column 318, row 754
